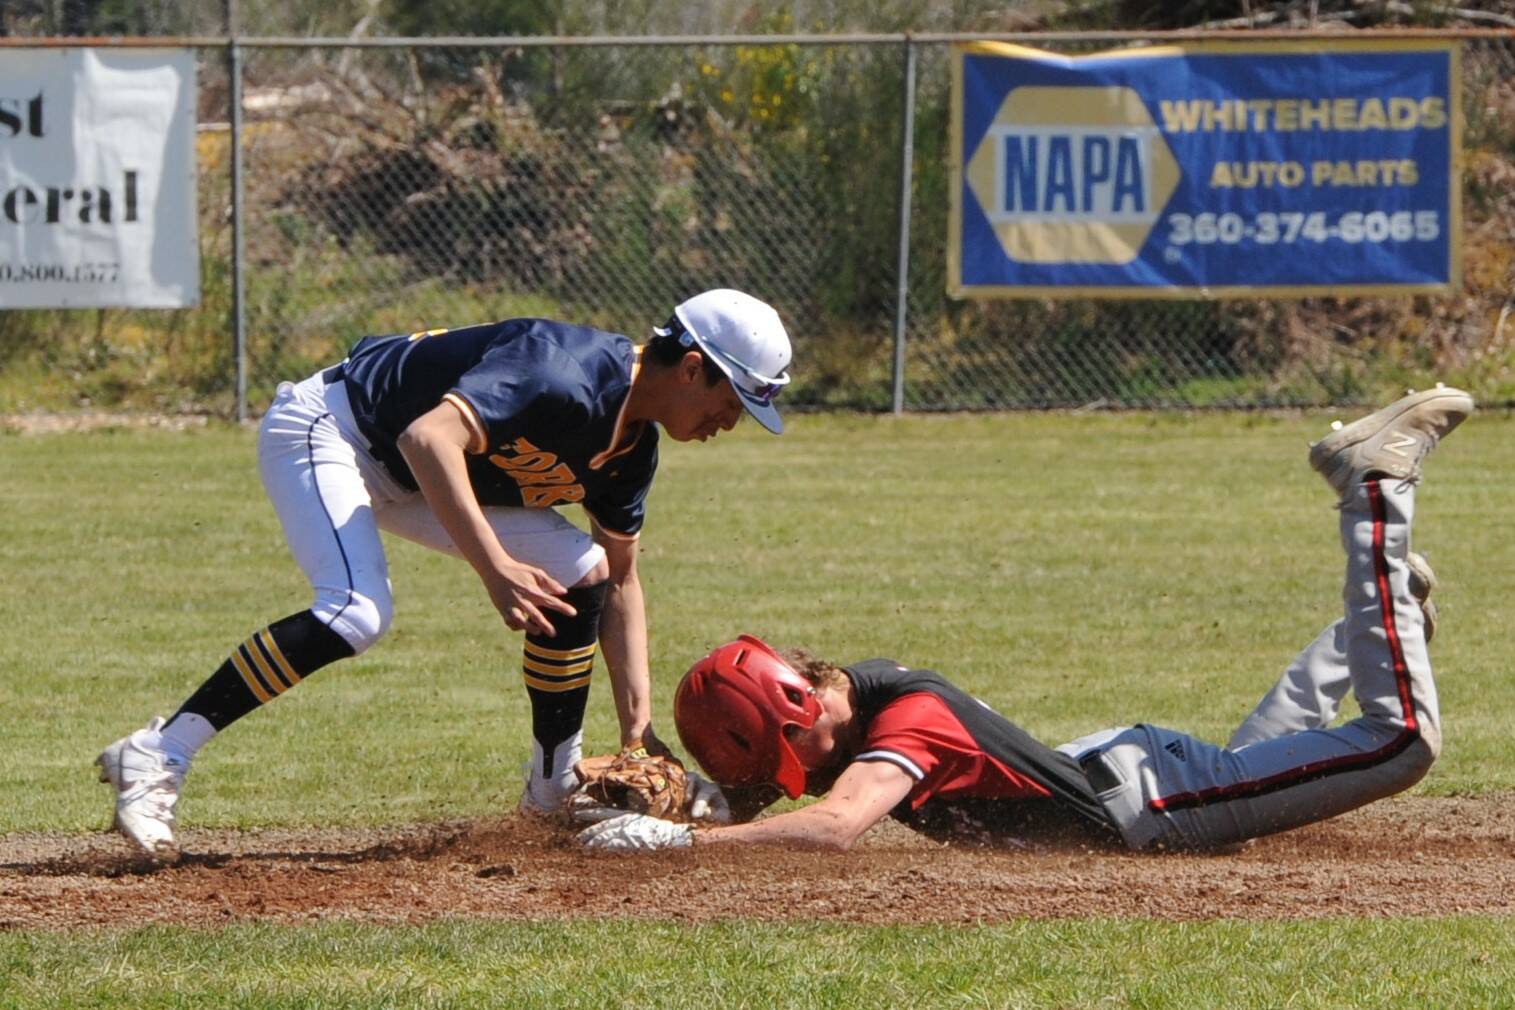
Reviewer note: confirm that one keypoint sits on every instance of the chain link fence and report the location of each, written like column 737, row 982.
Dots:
column 393, row 189
column 410, row 189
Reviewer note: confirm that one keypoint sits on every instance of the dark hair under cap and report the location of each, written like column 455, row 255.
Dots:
column 670, row 343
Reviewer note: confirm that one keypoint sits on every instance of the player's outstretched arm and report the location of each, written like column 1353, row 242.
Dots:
column 863, row 795
column 434, row 446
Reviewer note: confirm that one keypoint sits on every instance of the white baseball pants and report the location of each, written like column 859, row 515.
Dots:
column 1286, row 768
column 333, row 497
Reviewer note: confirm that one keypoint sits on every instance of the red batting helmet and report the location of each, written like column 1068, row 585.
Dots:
column 732, row 708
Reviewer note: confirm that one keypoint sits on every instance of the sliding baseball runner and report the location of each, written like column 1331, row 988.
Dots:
column 878, row 738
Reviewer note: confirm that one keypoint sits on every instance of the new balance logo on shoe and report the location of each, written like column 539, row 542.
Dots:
column 1176, row 748
column 1392, row 441
column 1401, row 444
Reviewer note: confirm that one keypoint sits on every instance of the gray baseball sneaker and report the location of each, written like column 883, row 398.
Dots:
column 1391, row 441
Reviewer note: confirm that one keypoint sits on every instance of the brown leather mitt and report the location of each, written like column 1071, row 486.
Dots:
column 635, row 781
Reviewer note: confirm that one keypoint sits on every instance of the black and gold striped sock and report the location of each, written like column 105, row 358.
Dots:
column 557, row 671
column 265, row 666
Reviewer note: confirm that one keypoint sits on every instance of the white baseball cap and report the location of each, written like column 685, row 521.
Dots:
column 745, row 339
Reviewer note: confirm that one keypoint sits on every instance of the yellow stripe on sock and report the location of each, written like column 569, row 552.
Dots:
column 248, row 650
column 272, row 679
column 555, row 686
column 272, row 648
column 553, row 679
column 247, row 675
column 530, row 664
column 556, row 675
column 540, row 652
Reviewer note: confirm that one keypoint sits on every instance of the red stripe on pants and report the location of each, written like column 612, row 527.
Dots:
column 1348, row 762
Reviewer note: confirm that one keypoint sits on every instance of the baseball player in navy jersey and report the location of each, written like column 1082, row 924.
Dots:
column 878, row 738
column 465, row 440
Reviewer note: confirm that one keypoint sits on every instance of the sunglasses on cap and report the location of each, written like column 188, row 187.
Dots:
column 764, row 393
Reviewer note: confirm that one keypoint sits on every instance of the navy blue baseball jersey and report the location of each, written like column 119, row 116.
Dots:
column 544, row 401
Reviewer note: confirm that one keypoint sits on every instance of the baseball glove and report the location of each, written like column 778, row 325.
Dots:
column 635, row 781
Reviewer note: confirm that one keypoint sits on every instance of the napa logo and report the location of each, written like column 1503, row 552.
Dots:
column 1072, row 175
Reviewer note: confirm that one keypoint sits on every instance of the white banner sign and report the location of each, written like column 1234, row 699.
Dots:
column 97, row 179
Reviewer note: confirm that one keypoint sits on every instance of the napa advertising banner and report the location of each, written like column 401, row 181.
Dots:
column 97, row 179
column 1207, row 170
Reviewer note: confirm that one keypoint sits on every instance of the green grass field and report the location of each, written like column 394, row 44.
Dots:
column 1076, row 571
column 1100, row 965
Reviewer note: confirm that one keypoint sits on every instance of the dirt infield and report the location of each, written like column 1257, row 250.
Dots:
column 1411, row 857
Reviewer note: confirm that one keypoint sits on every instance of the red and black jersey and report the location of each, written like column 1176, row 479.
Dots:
column 970, row 764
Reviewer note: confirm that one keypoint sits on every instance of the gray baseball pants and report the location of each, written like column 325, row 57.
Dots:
column 1284, row 767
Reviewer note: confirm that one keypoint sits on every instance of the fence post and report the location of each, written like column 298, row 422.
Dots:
column 238, row 320
column 907, row 174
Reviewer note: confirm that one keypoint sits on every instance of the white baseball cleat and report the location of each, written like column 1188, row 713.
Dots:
column 147, row 782
column 1391, row 441
column 538, row 800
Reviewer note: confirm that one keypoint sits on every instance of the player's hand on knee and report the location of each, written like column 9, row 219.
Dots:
column 524, row 594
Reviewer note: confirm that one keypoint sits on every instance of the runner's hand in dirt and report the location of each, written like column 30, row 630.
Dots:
column 636, row 833
column 588, row 810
